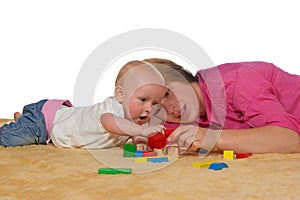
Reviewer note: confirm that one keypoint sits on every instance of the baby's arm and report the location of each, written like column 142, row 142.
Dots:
column 121, row 126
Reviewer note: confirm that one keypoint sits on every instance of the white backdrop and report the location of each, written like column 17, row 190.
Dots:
column 43, row 44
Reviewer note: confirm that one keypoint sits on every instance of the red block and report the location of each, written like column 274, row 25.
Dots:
column 149, row 153
column 243, row 155
column 168, row 132
column 157, row 140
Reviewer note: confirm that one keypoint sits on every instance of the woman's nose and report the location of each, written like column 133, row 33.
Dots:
column 169, row 107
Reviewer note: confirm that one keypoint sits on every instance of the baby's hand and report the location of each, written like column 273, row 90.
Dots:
column 141, row 142
column 152, row 129
column 141, row 147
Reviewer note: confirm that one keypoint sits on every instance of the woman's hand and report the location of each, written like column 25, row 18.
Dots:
column 188, row 136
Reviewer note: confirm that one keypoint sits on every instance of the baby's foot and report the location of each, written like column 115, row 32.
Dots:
column 17, row 115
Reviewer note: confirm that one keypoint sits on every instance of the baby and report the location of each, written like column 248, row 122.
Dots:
column 139, row 88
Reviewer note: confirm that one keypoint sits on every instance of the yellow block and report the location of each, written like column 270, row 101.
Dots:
column 228, row 154
column 202, row 164
column 141, row 160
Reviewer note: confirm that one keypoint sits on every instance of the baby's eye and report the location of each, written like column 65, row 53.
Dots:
column 142, row 99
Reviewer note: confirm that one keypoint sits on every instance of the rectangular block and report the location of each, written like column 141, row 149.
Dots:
column 130, row 147
column 158, row 159
column 114, row 171
column 243, row 155
column 204, row 164
column 141, row 160
column 228, row 154
column 149, row 153
column 128, row 154
column 129, row 150
column 139, row 154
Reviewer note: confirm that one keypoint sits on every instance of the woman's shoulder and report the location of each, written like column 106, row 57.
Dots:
column 249, row 69
column 246, row 65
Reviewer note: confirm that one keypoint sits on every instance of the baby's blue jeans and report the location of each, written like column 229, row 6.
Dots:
column 29, row 129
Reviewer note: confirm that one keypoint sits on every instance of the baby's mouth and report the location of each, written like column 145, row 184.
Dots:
column 143, row 117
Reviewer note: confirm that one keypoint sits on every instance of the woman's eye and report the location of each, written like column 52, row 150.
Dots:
column 154, row 103
column 167, row 93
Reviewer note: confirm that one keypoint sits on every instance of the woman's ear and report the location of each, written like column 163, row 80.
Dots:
column 119, row 93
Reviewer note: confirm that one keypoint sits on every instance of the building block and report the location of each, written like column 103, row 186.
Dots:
column 167, row 132
column 157, row 140
column 202, row 151
column 149, row 153
column 141, row 160
column 139, row 153
column 217, row 165
column 204, row 164
column 114, row 171
column 228, row 154
column 243, row 155
column 152, row 159
column 129, row 150
column 158, row 159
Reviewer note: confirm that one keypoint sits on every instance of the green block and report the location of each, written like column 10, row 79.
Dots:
column 129, row 150
column 114, row 171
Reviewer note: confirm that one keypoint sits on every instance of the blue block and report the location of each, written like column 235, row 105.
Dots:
column 217, row 166
column 202, row 151
column 139, row 153
column 158, row 159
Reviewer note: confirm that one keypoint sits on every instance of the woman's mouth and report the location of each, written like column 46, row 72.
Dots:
column 183, row 110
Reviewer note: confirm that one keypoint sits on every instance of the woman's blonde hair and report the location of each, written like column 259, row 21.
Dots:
column 171, row 71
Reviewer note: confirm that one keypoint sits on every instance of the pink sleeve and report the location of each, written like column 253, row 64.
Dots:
column 265, row 109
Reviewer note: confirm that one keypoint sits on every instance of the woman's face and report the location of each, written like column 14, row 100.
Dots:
column 181, row 103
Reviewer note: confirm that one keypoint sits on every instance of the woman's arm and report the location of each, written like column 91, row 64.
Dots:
column 268, row 139
column 121, row 126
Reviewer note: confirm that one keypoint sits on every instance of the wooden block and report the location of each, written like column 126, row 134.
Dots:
column 141, row 160
column 157, row 140
column 217, row 166
column 129, row 150
column 204, row 164
column 158, row 159
column 139, row 154
column 228, row 154
column 243, row 155
column 114, row 171
column 149, row 153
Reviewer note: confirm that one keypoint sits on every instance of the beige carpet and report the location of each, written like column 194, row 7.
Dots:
column 47, row 172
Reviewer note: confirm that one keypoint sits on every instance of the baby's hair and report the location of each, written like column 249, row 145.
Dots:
column 128, row 66
column 125, row 70
column 171, row 71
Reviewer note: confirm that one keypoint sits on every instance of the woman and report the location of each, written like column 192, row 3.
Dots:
column 246, row 107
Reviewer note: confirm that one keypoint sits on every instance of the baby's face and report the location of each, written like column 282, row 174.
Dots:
column 142, row 102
